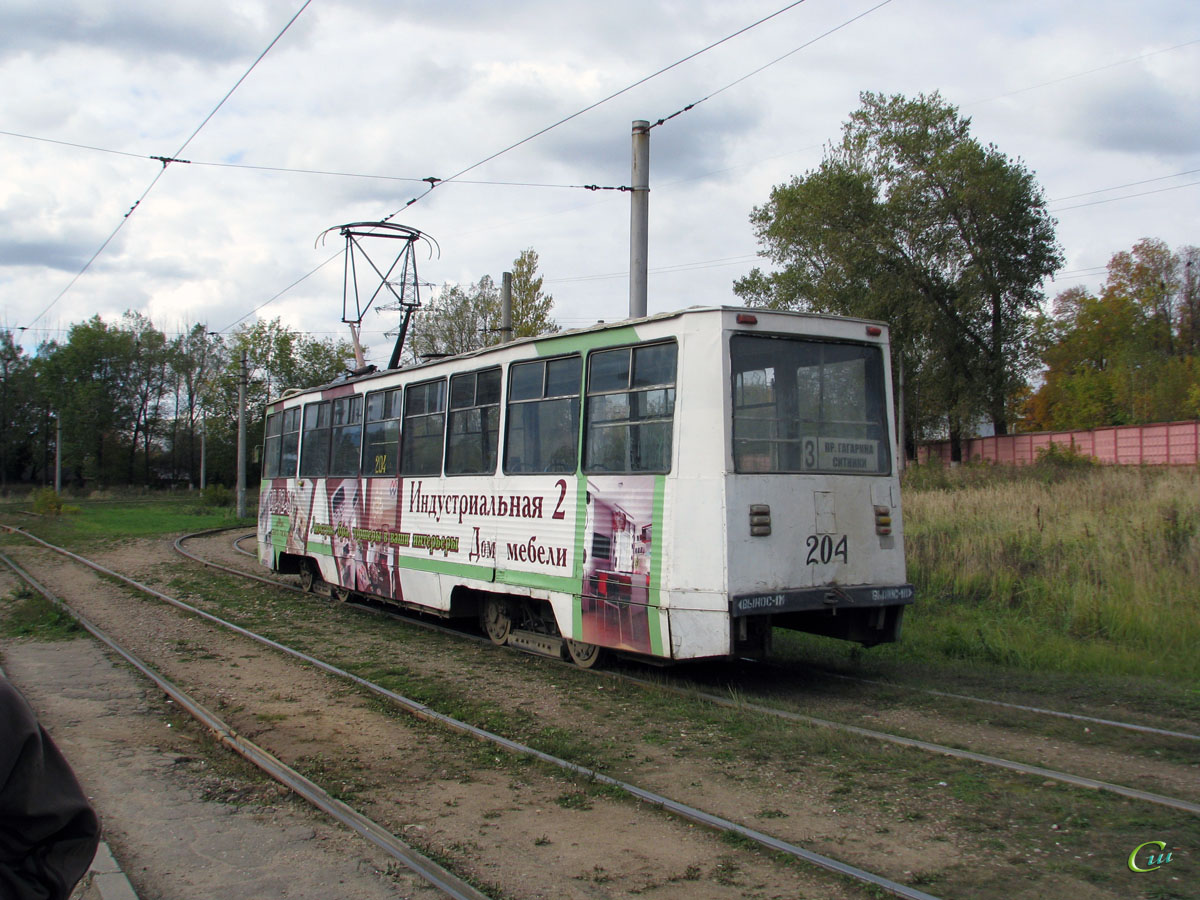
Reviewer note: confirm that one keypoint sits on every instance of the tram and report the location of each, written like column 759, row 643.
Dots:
column 675, row 486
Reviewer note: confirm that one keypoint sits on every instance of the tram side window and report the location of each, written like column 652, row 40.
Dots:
column 271, row 445
column 474, row 423
column 314, row 444
column 381, row 438
column 808, row 406
column 542, row 434
column 290, row 446
column 347, row 436
column 424, row 427
column 630, row 409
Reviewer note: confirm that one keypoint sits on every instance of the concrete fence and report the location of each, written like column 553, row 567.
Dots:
column 1163, row 444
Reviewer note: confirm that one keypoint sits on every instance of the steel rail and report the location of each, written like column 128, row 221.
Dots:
column 421, row 711
column 1075, row 717
column 1078, row 717
column 1023, row 768
column 914, row 743
column 423, row 866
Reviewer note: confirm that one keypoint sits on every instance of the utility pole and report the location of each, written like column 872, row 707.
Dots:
column 639, row 219
column 506, row 326
column 203, row 450
column 58, row 454
column 241, row 442
column 903, row 461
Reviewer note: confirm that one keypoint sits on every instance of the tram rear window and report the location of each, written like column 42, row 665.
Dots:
column 808, row 406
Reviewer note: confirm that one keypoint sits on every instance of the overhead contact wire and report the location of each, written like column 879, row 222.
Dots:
column 436, row 182
column 165, row 161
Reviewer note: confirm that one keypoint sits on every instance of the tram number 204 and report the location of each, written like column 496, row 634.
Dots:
column 825, row 548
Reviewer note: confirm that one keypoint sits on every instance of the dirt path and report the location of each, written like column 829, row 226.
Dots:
column 937, row 823
column 511, row 826
column 182, row 827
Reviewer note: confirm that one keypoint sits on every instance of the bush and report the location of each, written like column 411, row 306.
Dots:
column 46, row 502
column 216, row 495
column 1063, row 458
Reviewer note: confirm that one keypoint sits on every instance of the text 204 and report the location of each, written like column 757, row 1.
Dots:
column 825, row 548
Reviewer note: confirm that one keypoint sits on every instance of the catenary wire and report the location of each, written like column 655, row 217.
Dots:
column 1126, row 197
column 1111, row 65
column 768, row 65
column 165, row 162
column 438, row 182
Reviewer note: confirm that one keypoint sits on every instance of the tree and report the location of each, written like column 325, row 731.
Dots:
column 530, row 306
column 457, row 320
column 144, row 382
column 461, row 319
column 278, row 358
column 17, row 405
column 87, row 380
column 911, row 220
column 1127, row 355
column 195, row 357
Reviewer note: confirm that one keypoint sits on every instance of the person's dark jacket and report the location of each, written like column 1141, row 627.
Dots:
column 48, row 831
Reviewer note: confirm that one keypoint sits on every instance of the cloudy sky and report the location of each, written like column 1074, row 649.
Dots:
column 1100, row 99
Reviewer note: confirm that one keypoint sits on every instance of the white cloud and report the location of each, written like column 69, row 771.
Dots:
column 426, row 89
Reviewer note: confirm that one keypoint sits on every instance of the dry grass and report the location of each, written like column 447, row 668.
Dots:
column 1058, row 567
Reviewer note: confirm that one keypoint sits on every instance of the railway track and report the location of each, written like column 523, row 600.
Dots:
column 427, row 869
column 726, row 824
column 239, row 542
column 379, row 835
column 682, row 686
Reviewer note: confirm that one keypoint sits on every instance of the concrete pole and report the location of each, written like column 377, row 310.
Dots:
column 903, row 461
column 241, row 442
column 506, row 325
column 58, row 454
column 203, row 452
column 639, row 219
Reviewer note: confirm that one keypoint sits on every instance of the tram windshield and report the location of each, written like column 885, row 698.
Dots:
column 808, row 406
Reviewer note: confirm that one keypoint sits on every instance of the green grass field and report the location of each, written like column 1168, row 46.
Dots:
column 1086, row 570
column 1060, row 567
column 114, row 518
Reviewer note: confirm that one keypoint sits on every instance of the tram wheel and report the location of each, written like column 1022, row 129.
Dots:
column 308, row 576
column 586, row 656
column 496, row 620
column 339, row 594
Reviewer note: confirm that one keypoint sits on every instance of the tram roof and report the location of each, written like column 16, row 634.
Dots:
column 568, row 333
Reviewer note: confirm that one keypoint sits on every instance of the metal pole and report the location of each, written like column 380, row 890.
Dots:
column 900, row 415
column 639, row 219
column 58, row 454
column 506, row 325
column 241, row 443
column 203, row 450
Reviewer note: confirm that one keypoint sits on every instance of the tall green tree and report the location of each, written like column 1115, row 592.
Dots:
column 911, row 220
column 465, row 318
column 195, row 358
column 278, row 358
column 17, row 410
column 144, row 382
column 458, row 320
column 531, row 306
column 88, row 377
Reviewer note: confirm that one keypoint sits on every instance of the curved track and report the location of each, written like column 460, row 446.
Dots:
column 426, row 868
column 667, row 804
column 928, row 746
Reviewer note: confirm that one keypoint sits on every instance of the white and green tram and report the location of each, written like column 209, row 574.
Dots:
column 674, row 487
